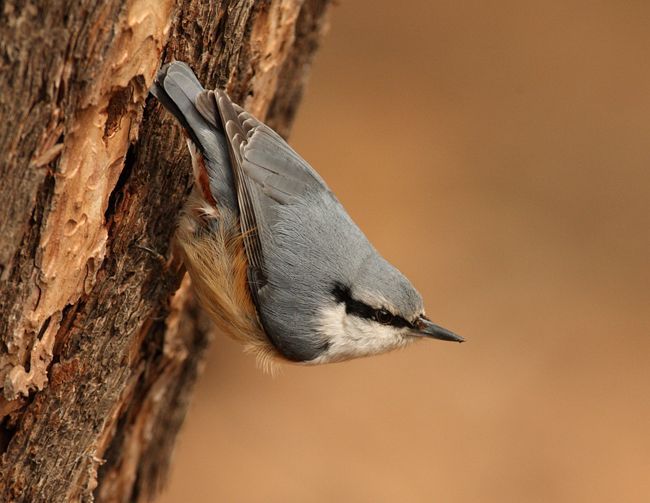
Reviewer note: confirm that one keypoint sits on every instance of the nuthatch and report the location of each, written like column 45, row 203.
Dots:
column 273, row 256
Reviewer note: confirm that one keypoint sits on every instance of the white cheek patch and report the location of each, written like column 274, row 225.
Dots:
column 351, row 336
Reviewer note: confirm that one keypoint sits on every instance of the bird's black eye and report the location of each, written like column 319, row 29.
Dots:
column 384, row 317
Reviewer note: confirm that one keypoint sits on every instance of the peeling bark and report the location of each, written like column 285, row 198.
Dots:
column 100, row 347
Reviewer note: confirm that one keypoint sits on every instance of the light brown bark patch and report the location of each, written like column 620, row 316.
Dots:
column 73, row 240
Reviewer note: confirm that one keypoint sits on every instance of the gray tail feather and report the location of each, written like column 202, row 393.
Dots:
column 178, row 89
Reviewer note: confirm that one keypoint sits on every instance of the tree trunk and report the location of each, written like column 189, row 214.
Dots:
column 99, row 345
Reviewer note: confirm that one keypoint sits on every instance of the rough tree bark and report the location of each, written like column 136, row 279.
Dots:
column 99, row 346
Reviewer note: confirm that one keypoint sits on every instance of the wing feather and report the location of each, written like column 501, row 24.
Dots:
column 267, row 173
column 236, row 139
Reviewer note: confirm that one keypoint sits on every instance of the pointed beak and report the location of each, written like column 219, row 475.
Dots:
column 424, row 328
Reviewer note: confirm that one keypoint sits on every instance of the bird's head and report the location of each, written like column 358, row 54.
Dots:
column 375, row 311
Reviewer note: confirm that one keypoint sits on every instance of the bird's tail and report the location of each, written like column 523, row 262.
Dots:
column 181, row 93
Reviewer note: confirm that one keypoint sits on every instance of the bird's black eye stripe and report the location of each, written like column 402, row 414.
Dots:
column 352, row 306
column 362, row 310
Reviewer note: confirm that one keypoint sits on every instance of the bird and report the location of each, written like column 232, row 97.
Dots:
column 273, row 256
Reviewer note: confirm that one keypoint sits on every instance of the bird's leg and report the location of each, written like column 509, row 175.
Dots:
column 162, row 260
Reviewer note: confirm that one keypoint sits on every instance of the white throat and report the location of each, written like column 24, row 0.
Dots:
column 352, row 337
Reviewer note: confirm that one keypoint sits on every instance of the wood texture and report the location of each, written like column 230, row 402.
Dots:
column 100, row 347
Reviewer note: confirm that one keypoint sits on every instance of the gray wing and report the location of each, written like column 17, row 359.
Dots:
column 267, row 172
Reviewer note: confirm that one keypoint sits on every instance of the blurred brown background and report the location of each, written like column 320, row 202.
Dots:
column 498, row 154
